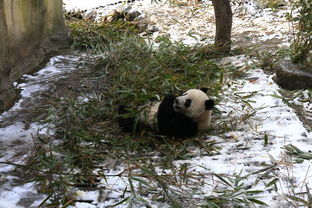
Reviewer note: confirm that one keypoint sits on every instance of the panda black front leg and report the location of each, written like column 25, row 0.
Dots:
column 125, row 122
column 172, row 123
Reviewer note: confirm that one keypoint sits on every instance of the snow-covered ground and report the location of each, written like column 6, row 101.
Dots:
column 16, row 133
column 254, row 94
column 273, row 119
column 195, row 24
column 243, row 151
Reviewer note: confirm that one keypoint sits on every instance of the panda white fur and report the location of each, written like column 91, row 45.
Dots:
column 175, row 116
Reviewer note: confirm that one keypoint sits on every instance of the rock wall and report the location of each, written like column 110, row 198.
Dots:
column 29, row 31
column 291, row 77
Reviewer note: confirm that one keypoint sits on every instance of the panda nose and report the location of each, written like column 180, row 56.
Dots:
column 176, row 101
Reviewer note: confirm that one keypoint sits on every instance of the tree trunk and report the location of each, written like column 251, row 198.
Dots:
column 223, row 15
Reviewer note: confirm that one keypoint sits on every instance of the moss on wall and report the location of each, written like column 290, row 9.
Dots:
column 29, row 31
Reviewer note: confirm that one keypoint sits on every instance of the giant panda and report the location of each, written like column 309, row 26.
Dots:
column 175, row 116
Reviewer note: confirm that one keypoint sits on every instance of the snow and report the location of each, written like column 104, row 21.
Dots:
column 304, row 100
column 5, row 203
column 16, row 135
column 83, row 4
column 256, row 94
column 195, row 24
column 10, row 197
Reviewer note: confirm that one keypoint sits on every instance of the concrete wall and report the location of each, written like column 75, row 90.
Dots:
column 29, row 31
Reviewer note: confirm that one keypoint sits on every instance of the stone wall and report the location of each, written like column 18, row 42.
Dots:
column 29, row 31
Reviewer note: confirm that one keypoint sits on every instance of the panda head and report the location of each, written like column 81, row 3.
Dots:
column 193, row 103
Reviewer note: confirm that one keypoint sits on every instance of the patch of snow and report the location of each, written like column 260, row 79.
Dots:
column 84, row 205
column 250, row 7
column 16, row 134
column 304, row 99
column 11, row 196
column 89, row 195
column 40, row 80
column 6, row 203
column 83, row 4
column 272, row 118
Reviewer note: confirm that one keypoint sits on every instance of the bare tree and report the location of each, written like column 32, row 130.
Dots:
column 223, row 16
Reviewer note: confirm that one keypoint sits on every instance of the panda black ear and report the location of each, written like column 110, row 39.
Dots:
column 204, row 89
column 209, row 104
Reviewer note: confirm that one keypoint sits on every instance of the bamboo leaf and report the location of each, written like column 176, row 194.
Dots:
column 141, row 181
column 266, row 140
column 223, row 180
column 298, row 199
column 272, row 182
column 122, row 201
column 256, row 201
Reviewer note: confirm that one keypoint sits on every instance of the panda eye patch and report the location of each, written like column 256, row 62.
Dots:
column 188, row 103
